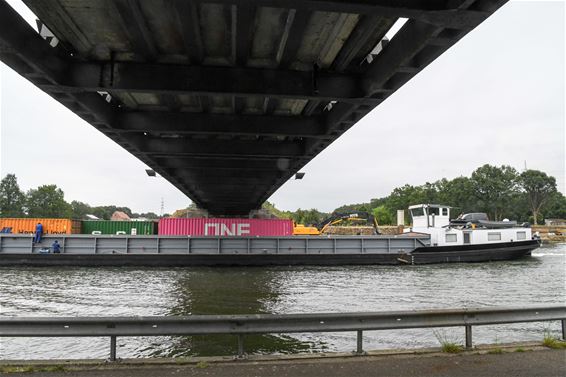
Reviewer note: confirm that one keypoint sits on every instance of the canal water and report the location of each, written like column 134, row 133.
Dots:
column 63, row 292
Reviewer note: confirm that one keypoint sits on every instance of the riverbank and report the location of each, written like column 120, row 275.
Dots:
column 552, row 234
column 517, row 359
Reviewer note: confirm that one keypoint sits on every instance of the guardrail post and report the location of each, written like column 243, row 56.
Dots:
column 360, row 340
column 112, row 347
column 240, row 346
column 564, row 329
column 468, row 336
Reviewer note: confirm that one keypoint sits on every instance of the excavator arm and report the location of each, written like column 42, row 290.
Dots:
column 336, row 218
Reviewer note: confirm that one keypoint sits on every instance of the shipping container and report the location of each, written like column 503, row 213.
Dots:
column 225, row 227
column 50, row 226
column 119, row 227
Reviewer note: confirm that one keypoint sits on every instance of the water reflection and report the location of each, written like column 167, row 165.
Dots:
column 224, row 291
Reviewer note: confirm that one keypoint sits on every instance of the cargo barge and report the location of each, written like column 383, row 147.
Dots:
column 179, row 251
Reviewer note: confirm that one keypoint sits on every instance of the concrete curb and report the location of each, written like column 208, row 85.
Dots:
column 78, row 364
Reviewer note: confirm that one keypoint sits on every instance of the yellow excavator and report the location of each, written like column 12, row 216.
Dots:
column 335, row 218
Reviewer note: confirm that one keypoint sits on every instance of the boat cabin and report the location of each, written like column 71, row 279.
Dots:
column 430, row 215
column 473, row 228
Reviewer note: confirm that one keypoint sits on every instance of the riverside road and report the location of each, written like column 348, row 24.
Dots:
column 536, row 363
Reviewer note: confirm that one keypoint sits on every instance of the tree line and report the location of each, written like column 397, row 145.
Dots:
column 49, row 201
column 500, row 191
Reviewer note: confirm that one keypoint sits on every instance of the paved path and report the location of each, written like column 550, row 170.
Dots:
column 546, row 363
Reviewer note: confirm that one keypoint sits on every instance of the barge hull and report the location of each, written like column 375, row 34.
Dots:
column 148, row 251
column 474, row 253
column 172, row 260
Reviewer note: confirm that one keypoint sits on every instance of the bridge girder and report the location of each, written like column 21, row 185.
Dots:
column 227, row 99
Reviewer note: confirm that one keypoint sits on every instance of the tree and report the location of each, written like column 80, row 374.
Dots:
column 146, row 215
column 47, row 201
column 105, row 212
column 12, row 199
column 79, row 210
column 555, row 208
column 458, row 193
column 383, row 215
column 493, row 187
column 539, row 188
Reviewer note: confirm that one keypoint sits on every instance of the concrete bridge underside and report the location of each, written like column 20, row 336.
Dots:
column 227, row 99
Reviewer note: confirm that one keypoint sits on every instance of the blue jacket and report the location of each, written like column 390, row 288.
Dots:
column 39, row 228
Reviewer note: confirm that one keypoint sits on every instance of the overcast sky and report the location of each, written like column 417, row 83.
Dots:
column 495, row 97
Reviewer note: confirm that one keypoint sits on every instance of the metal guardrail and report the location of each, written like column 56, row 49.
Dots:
column 241, row 325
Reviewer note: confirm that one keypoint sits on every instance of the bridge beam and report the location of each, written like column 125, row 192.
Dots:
column 445, row 13
column 221, row 163
column 116, row 77
column 183, row 123
column 188, row 147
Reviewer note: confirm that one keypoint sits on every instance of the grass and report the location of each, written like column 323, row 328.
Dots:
column 495, row 351
column 520, row 349
column 202, row 365
column 448, row 344
column 17, row 369
column 30, row 369
column 551, row 341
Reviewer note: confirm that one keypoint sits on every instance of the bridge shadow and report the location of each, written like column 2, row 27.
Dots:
column 225, row 291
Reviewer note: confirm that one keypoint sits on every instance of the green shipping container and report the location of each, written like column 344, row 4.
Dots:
column 113, row 227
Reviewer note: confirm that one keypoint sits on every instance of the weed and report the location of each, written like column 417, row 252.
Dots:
column 495, row 351
column 448, row 344
column 30, row 369
column 17, row 369
column 519, row 349
column 54, row 368
column 202, row 365
column 551, row 341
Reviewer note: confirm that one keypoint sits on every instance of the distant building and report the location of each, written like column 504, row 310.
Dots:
column 92, row 217
column 119, row 216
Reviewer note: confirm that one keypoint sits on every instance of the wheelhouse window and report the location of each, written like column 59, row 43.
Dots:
column 434, row 211
column 444, row 211
column 451, row 238
column 521, row 235
column 494, row 236
column 415, row 212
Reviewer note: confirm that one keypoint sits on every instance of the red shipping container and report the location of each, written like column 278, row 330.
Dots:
column 224, row 227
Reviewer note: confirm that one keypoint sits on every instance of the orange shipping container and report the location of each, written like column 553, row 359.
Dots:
column 50, row 226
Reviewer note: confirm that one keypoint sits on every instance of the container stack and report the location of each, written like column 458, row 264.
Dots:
column 225, row 227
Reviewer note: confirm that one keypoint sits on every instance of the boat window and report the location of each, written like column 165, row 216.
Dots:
column 444, row 211
column 451, row 237
column 494, row 236
column 434, row 211
column 417, row 212
column 521, row 235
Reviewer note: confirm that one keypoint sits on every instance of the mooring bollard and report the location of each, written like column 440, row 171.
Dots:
column 468, row 336
column 360, row 340
column 112, row 347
